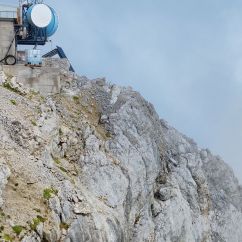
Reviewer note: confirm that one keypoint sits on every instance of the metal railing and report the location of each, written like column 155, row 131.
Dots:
column 8, row 14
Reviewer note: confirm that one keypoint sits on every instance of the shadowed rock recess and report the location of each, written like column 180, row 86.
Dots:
column 96, row 163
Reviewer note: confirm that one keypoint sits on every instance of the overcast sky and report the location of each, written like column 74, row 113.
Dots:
column 185, row 57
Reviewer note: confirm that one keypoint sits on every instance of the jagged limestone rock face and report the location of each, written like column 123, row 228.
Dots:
column 95, row 163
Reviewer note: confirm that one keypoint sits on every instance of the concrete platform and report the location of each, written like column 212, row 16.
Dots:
column 46, row 80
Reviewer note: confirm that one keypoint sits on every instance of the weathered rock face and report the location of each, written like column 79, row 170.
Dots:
column 95, row 163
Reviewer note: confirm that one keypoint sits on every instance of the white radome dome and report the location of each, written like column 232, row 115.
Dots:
column 41, row 15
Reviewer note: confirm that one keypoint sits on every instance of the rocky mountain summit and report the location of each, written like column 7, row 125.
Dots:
column 96, row 163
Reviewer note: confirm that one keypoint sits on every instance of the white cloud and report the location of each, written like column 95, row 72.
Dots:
column 184, row 56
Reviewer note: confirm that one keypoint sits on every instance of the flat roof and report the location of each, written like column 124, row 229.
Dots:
column 6, row 7
column 8, row 11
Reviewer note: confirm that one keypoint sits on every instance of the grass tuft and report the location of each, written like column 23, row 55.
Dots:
column 64, row 226
column 17, row 229
column 7, row 237
column 13, row 102
column 63, row 169
column 57, row 161
column 8, row 86
column 48, row 192
column 34, row 122
column 36, row 221
column 76, row 99
column 37, row 210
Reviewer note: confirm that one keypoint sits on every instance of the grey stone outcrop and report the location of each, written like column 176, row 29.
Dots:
column 96, row 163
